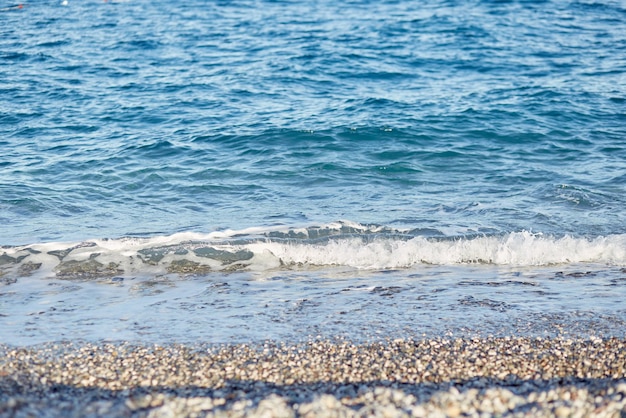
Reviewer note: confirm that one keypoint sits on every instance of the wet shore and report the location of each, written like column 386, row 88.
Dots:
column 430, row 377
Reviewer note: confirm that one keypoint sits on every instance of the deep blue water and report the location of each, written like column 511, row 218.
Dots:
column 146, row 117
column 433, row 132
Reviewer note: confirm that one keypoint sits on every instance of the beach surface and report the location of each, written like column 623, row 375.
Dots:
column 430, row 377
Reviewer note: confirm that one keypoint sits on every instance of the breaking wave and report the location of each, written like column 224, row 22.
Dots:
column 338, row 244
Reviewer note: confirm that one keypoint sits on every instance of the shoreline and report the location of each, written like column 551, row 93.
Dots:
column 515, row 376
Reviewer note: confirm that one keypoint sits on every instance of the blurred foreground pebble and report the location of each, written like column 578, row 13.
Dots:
column 436, row 377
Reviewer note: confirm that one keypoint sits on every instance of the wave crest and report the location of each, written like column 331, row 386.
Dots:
column 340, row 244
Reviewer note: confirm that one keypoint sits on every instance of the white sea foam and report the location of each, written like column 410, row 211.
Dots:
column 519, row 249
column 340, row 244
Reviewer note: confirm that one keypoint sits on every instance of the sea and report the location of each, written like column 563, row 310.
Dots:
column 239, row 171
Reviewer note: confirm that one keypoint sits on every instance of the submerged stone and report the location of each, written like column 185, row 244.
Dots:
column 187, row 267
column 89, row 269
column 27, row 268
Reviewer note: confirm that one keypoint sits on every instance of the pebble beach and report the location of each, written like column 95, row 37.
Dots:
column 431, row 377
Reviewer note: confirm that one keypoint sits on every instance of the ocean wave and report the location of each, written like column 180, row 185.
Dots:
column 342, row 244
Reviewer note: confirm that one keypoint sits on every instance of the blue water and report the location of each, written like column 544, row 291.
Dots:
column 152, row 139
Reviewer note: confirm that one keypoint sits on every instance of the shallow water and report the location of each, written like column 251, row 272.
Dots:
column 426, row 301
column 253, row 159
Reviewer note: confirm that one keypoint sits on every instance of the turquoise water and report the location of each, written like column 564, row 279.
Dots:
column 261, row 140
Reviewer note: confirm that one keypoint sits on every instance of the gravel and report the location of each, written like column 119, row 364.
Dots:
column 431, row 377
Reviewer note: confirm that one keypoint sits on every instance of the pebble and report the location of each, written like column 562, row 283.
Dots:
column 400, row 378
